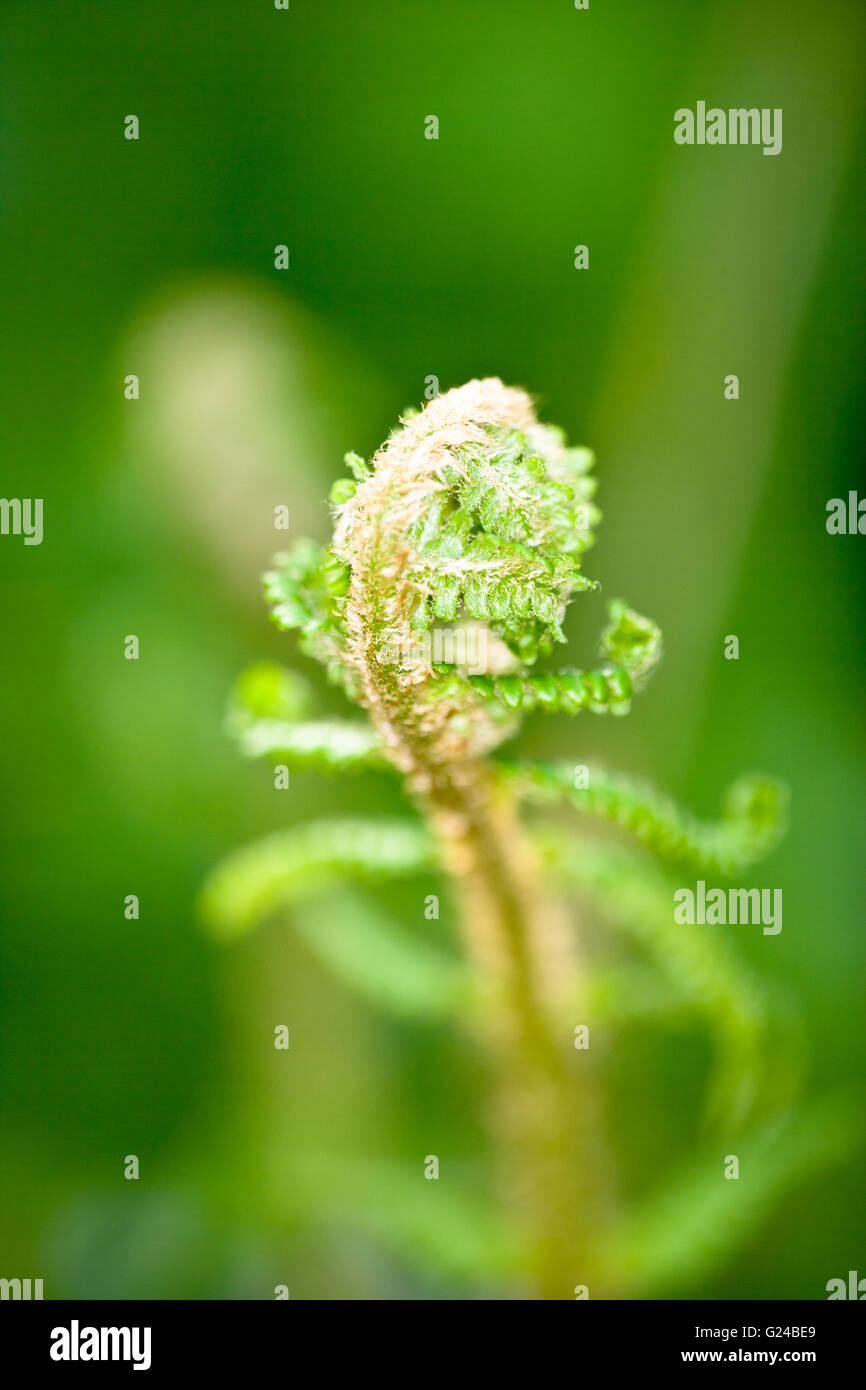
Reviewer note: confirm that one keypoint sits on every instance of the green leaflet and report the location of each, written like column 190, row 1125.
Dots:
column 272, row 874
column 567, row 692
column 331, row 745
column 263, row 717
column 525, row 488
column 754, row 814
column 631, row 642
column 306, row 587
column 513, row 597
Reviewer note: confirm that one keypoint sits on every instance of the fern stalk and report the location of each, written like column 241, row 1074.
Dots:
column 544, row 1117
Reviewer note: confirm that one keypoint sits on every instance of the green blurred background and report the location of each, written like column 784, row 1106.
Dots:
column 409, row 258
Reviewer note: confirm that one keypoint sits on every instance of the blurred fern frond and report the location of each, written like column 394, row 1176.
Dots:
column 271, row 874
column 266, row 718
column 754, row 814
column 395, row 969
column 700, row 970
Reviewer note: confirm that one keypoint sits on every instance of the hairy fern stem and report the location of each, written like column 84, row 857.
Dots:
column 543, row 1116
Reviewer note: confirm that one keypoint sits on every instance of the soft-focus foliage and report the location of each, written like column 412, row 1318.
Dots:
column 408, row 258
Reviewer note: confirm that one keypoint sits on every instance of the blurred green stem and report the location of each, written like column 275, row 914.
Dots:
column 544, row 1117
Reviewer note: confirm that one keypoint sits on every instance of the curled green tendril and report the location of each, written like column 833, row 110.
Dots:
column 754, row 813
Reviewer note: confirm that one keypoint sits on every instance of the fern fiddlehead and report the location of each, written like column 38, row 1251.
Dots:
column 472, row 510
column 455, row 553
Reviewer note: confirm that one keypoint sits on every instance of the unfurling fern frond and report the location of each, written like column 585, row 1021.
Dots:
column 633, row 640
column 455, row 553
column 471, row 514
column 305, row 588
column 754, row 813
